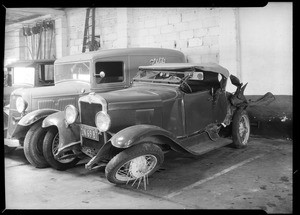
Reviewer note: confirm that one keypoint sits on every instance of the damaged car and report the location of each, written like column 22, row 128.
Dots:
column 171, row 106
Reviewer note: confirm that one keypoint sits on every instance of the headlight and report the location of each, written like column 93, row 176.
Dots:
column 102, row 121
column 71, row 114
column 21, row 104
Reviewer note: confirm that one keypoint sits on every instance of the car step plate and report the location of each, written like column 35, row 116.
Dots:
column 208, row 145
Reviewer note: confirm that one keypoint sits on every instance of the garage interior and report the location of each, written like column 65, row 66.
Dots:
column 254, row 44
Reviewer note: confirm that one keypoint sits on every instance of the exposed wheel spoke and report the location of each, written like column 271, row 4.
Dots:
column 137, row 169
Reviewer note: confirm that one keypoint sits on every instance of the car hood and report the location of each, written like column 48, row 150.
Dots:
column 138, row 97
column 59, row 89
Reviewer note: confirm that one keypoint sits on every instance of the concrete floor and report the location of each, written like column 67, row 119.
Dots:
column 258, row 177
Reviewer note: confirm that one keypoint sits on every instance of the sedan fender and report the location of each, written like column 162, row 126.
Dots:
column 69, row 135
column 134, row 134
column 29, row 119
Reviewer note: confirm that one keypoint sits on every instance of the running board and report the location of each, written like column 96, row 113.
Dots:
column 208, row 145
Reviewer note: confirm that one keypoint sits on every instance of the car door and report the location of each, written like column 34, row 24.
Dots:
column 198, row 110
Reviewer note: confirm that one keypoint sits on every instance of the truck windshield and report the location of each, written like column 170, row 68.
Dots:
column 73, row 71
column 174, row 77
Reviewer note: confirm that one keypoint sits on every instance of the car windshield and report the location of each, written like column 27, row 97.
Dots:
column 174, row 77
column 73, row 71
column 23, row 75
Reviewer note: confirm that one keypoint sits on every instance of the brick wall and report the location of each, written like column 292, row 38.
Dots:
column 194, row 31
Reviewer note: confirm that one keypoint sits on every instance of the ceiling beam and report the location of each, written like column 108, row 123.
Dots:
column 42, row 11
column 13, row 27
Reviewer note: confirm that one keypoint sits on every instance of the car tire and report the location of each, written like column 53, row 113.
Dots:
column 131, row 157
column 33, row 146
column 49, row 149
column 240, row 128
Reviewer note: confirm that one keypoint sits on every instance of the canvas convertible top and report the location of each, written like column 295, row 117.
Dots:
column 212, row 67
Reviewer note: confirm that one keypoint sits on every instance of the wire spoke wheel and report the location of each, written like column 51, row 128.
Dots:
column 55, row 143
column 50, row 148
column 244, row 129
column 240, row 129
column 134, row 164
column 136, row 168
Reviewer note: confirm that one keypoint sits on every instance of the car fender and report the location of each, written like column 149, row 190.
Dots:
column 134, row 134
column 68, row 134
column 34, row 116
column 29, row 119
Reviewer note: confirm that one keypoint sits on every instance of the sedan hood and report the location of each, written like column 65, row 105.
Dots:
column 60, row 89
column 138, row 97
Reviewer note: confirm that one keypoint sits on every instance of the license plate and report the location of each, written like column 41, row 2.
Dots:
column 89, row 132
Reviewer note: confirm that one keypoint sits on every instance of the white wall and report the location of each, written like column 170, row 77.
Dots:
column 253, row 43
column 266, row 48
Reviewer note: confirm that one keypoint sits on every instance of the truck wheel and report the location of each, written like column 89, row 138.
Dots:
column 50, row 147
column 240, row 129
column 33, row 146
column 134, row 163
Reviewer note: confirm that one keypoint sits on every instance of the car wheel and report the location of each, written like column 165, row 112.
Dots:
column 33, row 146
column 240, row 129
column 50, row 147
column 134, row 163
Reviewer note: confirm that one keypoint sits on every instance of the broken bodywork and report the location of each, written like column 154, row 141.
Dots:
column 181, row 107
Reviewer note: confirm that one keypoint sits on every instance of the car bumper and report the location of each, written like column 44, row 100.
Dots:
column 11, row 142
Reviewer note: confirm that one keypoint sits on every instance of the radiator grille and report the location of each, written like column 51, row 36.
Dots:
column 46, row 104
column 62, row 103
column 88, row 113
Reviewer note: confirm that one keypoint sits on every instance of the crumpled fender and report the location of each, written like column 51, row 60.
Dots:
column 132, row 135
column 69, row 135
column 29, row 119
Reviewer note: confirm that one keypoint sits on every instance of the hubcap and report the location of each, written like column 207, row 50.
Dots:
column 136, row 168
column 55, row 149
column 244, row 130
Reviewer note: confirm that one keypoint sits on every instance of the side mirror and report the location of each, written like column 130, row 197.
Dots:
column 235, row 81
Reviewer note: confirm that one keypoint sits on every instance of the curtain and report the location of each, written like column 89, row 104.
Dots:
column 39, row 41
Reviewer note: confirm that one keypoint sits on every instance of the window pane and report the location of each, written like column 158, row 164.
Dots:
column 113, row 72
column 49, row 72
column 74, row 71
column 23, row 75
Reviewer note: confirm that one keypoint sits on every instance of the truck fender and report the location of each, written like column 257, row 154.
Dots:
column 134, row 134
column 29, row 119
column 34, row 116
column 68, row 134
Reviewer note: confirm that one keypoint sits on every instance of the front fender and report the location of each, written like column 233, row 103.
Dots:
column 69, row 135
column 34, row 116
column 132, row 135
column 29, row 119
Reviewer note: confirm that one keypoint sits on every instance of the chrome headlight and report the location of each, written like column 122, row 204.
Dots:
column 102, row 121
column 71, row 114
column 21, row 104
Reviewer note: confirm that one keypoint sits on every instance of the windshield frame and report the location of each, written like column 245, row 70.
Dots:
column 186, row 74
column 72, row 63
